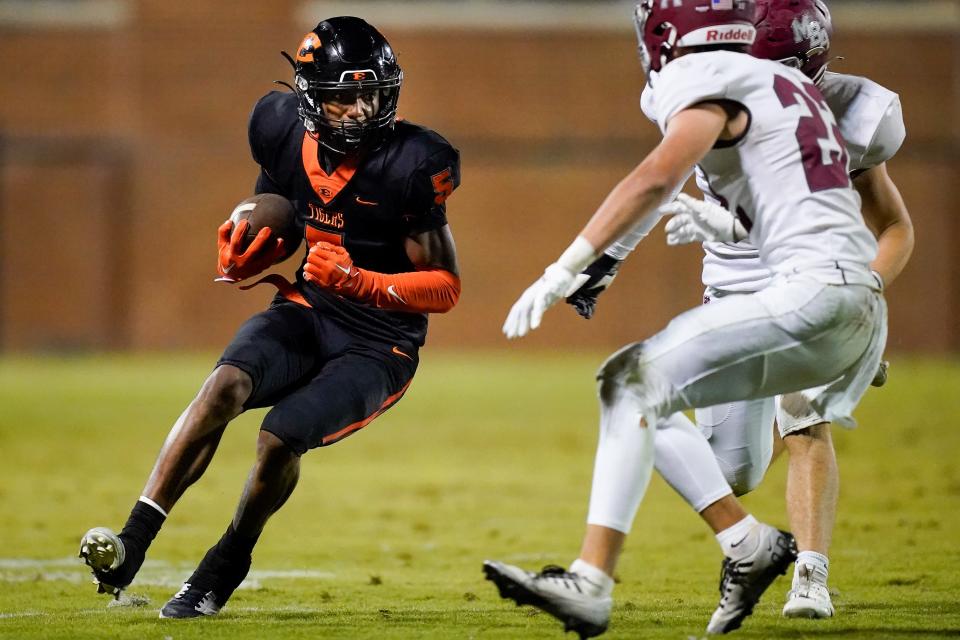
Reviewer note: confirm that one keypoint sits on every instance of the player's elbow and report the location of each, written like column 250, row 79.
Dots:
column 446, row 292
column 449, row 294
column 648, row 185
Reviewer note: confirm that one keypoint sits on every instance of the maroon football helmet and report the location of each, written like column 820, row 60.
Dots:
column 796, row 33
column 663, row 25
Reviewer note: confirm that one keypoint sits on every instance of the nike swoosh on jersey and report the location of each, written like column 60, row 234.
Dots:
column 401, row 353
column 366, row 202
column 393, row 292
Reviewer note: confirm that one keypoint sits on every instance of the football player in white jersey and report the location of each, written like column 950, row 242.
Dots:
column 797, row 33
column 769, row 146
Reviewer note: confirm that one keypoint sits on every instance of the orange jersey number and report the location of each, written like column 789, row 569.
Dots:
column 442, row 185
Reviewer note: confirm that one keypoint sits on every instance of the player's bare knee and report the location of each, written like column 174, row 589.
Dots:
column 224, row 393
column 799, row 441
column 271, row 446
column 275, row 458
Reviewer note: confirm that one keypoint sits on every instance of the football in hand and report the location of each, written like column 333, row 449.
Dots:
column 276, row 212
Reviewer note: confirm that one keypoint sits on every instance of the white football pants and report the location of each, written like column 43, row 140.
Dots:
column 796, row 334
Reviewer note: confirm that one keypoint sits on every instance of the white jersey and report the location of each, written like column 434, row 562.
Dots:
column 787, row 177
column 871, row 124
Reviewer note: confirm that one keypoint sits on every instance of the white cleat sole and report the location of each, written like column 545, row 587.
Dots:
column 101, row 549
column 810, row 610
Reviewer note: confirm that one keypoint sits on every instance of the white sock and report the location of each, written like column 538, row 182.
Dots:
column 685, row 460
column 733, row 540
column 147, row 501
column 595, row 576
column 815, row 565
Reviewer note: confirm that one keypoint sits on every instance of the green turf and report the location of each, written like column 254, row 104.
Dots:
column 488, row 456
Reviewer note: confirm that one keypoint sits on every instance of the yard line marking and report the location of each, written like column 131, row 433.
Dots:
column 155, row 573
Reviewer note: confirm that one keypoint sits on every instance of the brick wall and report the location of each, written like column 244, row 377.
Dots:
column 123, row 149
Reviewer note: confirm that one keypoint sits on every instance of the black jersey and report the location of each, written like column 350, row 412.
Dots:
column 369, row 206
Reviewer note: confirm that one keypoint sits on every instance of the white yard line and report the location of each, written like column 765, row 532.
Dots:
column 155, row 573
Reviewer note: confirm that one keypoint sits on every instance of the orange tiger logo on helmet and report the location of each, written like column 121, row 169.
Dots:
column 310, row 42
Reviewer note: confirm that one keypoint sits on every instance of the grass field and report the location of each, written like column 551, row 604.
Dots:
column 487, row 456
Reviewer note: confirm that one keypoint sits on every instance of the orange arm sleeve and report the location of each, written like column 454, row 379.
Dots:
column 427, row 290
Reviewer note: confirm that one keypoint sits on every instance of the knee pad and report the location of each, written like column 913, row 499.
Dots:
column 625, row 373
column 744, row 479
column 613, row 373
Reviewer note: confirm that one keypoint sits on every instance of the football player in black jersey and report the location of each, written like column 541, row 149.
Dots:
column 338, row 347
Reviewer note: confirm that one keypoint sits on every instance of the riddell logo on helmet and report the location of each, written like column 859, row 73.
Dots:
column 730, row 35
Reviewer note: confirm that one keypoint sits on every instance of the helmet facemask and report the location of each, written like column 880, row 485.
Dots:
column 344, row 135
column 640, row 16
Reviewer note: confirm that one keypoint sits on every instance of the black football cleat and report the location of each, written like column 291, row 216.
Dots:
column 192, row 602
column 114, row 564
column 208, row 589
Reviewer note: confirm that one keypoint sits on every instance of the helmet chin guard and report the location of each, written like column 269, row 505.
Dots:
column 346, row 55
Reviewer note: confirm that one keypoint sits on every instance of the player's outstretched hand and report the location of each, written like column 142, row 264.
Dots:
column 555, row 283
column 234, row 263
column 700, row 221
column 590, row 283
column 330, row 266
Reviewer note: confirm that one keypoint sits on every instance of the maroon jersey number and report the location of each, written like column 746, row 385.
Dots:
column 822, row 148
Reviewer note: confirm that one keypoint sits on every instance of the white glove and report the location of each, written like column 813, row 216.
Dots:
column 527, row 311
column 700, row 221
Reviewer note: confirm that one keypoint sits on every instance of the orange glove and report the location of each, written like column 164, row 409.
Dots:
column 234, row 264
column 330, row 266
column 427, row 290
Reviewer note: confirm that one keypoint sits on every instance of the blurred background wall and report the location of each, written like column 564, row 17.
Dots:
column 123, row 146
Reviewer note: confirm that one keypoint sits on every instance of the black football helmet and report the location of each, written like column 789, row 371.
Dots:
column 346, row 54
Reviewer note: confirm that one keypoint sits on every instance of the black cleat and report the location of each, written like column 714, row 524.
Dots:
column 208, row 589
column 192, row 602
column 114, row 564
